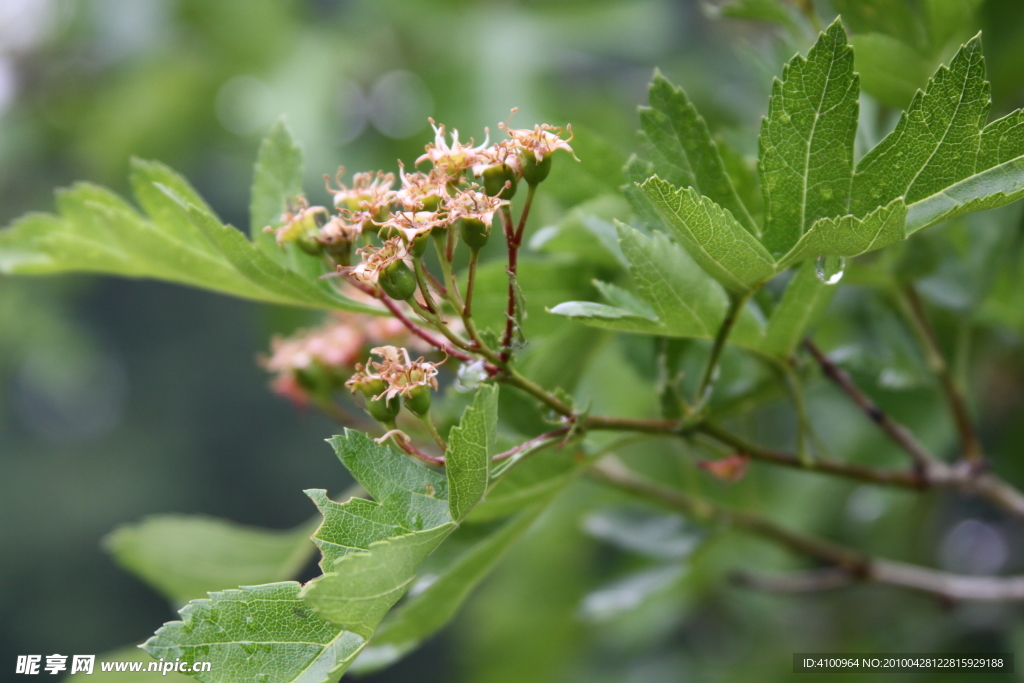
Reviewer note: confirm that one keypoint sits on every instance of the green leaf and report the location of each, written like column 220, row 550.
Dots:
column 683, row 152
column 350, row 526
column 685, row 299
column 1000, row 183
column 806, row 143
column 804, row 301
column 850, row 236
column 939, row 158
column 712, row 236
column 534, row 479
column 277, row 181
column 180, row 241
column 97, row 231
column 608, row 317
column 470, row 447
column 283, row 285
column 430, row 610
column 416, row 495
column 363, row 586
column 147, row 178
column 936, row 141
column 624, row 299
column 257, row 633
column 185, row 557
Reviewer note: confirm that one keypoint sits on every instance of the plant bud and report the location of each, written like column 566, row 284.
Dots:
column 418, row 401
column 398, row 281
column 500, row 181
column 474, row 232
column 534, row 171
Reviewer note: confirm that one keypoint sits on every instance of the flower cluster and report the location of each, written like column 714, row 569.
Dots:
column 375, row 238
column 400, row 375
column 396, row 377
column 309, row 359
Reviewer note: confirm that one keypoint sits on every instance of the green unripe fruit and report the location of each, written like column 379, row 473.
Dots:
column 371, row 387
column 495, row 179
column 309, row 245
column 384, row 410
column 533, row 171
column 418, row 401
column 474, row 232
column 419, row 245
column 339, row 251
column 431, row 203
column 398, row 281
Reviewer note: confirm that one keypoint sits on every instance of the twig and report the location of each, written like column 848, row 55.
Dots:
column 904, row 478
column 826, row 578
column 514, row 237
column 923, row 459
column 736, row 304
column 856, row 564
column 532, row 443
column 918, row 319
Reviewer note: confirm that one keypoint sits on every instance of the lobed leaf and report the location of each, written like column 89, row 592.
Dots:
column 715, row 240
column 470, row 446
column 350, row 526
column 277, row 182
column 416, row 495
column 851, row 236
column 806, row 142
column 179, row 240
column 683, row 152
column 430, row 610
column 257, row 633
column 363, row 586
column 186, row 556
column 941, row 158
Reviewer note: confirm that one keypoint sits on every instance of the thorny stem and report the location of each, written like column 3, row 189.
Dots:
column 858, row 565
column 918, row 319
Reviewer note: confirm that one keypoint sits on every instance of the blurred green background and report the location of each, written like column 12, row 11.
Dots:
column 120, row 399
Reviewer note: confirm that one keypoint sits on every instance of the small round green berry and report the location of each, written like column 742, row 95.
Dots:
column 418, row 400
column 398, row 281
column 474, row 232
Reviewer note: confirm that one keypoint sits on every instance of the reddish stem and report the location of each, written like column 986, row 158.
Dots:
column 413, row 327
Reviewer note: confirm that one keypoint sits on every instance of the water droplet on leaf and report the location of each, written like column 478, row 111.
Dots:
column 829, row 269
